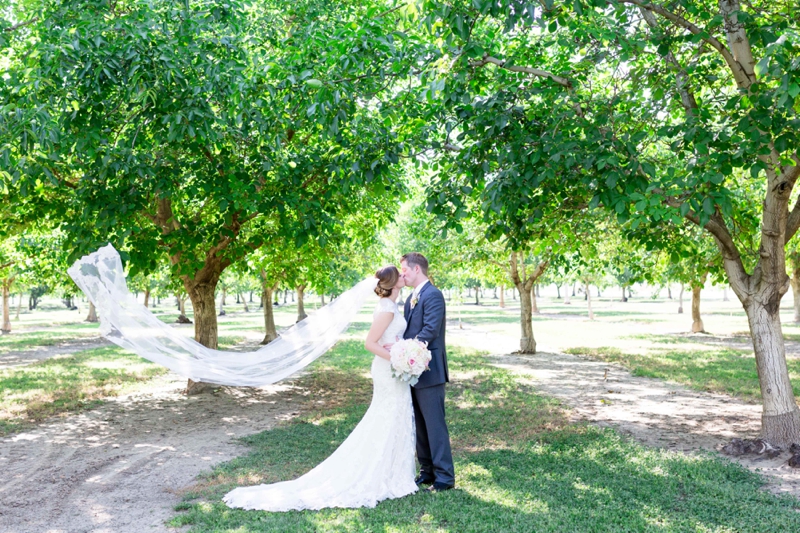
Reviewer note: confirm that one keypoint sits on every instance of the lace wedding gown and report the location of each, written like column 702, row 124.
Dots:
column 374, row 463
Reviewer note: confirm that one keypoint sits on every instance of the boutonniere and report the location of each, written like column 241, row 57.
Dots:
column 414, row 301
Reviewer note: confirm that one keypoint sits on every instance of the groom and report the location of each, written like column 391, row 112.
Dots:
column 425, row 314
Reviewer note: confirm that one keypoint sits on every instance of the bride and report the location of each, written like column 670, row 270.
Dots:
column 376, row 461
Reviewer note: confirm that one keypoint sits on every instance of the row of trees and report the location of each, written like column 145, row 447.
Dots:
column 211, row 135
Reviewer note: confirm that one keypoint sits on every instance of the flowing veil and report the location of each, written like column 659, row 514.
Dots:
column 129, row 324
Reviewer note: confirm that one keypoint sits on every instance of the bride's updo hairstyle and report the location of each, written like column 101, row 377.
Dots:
column 387, row 279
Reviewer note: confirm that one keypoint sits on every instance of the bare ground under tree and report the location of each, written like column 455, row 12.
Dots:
column 121, row 468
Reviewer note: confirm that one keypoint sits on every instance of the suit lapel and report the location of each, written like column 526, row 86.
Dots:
column 419, row 297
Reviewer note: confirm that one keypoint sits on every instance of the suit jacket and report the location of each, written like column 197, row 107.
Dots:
column 426, row 322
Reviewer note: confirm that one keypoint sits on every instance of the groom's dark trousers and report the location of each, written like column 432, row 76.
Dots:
column 426, row 322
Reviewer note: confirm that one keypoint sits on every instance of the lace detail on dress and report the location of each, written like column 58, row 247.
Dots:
column 396, row 327
column 374, row 463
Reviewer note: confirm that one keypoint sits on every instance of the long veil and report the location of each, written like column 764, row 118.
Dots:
column 126, row 322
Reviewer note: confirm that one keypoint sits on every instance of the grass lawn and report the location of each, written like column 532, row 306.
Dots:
column 520, row 466
column 67, row 383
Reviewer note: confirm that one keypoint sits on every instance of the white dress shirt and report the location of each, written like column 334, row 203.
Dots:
column 415, row 292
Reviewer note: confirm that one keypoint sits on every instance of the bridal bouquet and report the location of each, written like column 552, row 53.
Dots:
column 409, row 359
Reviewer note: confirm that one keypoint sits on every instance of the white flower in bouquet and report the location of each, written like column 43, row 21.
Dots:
column 409, row 359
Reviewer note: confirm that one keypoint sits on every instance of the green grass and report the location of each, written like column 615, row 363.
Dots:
column 66, row 384
column 520, row 467
column 724, row 370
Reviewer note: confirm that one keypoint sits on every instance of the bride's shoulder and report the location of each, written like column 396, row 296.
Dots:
column 386, row 305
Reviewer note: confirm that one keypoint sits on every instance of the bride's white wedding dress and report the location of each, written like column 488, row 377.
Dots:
column 374, row 463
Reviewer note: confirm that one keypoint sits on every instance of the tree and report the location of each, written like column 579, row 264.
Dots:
column 11, row 264
column 190, row 129
column 661, row 112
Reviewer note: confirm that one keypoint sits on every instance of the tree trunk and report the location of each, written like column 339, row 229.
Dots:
column 301, row 309
column 147, row 297
column 267, row 290
column 558, row 291
column 322, row 299
column 726, row 299
column 6, row 312
column 624, row 298
column 697, row 322
column 285, row 296
column 243, row 301
column 796, row 294
column 205, row 323
column 669, row 292
column 182, row 318
column 538, row 292
column 680, row 301
column 92, row 316
column 780, row 419
column 222, row 302
column 477, row 295
column 589, row 302
column 524, row 284
column 19, row 305
column 527, row 344
column 205, row 313
column 502, row 297
column 534, row 302
column 574, row 283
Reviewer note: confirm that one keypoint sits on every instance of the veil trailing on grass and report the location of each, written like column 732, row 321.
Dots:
column 126, row 322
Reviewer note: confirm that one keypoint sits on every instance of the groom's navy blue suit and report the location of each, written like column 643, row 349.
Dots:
column 426, row 322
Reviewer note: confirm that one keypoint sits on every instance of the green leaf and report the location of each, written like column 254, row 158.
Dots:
column 762, row 66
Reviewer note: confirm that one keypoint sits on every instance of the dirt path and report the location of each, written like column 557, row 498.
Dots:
column 119, row 468
column 652, row 411
column 40, row 353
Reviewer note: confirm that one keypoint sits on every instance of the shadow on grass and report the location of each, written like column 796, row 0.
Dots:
column 70, row 383
column 520, row 467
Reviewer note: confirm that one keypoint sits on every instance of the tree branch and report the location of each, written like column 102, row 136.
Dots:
column 15, row 27
column 681, row 76
column 738, row 71
column 389, row 11
column 791, row 174
column 527, row 70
